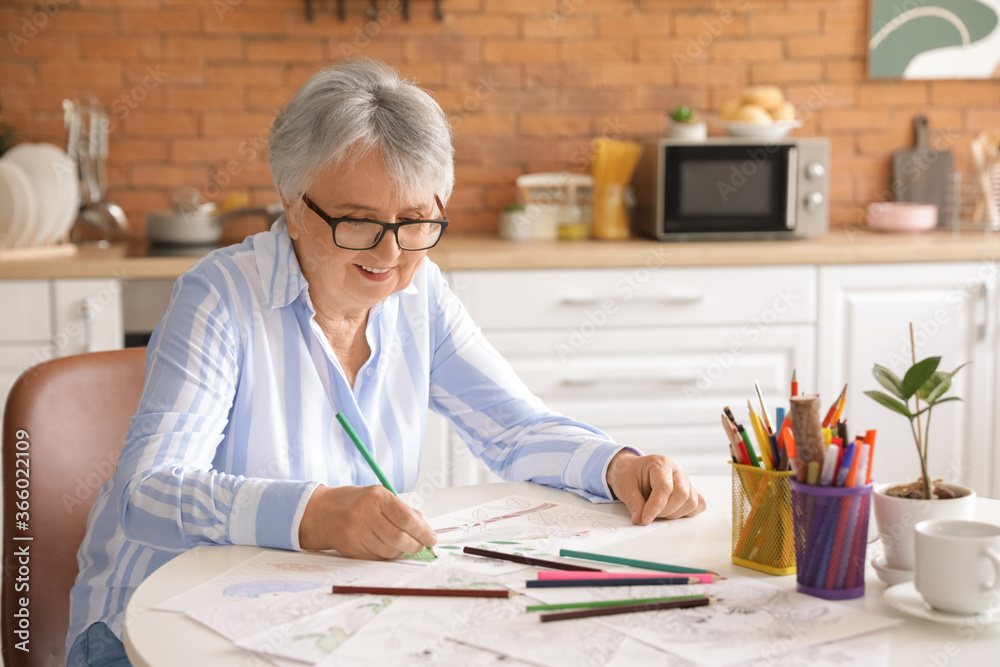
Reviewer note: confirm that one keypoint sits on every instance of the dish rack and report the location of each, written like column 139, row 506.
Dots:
column 975, row 202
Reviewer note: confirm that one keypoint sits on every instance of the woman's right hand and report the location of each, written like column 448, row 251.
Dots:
column 363, row 522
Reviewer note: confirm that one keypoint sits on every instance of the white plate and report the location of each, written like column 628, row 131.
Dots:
column 761, row 131
column 18, row 206
column 53, row 177
column 905, row 598
column 888, row 574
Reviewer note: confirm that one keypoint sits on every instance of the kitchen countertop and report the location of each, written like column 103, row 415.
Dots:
column 841, row 246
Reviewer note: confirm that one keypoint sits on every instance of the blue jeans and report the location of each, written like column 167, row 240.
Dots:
column 97, row 646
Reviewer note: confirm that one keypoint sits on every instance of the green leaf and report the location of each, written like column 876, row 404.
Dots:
column 918, row 374
column 935, row 387
column 943, row 400
column 888, row 379
column 889, row 402
column 952, row 374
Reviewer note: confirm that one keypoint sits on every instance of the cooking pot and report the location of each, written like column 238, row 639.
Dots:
column 201, row 225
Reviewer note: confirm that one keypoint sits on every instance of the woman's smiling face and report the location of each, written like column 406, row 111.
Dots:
column 353, row 280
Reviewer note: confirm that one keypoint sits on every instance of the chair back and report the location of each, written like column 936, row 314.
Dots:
column 63, row 430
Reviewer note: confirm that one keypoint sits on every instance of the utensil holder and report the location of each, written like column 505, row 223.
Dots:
column 762, row 520
column 610, row 212
column 831, row 537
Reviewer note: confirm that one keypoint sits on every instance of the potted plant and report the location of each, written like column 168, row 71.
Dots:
column 686, row 124
column 900, row 506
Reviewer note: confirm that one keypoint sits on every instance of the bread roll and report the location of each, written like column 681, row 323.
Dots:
column 768, row 97
column 751, row 113
column 785, row 112
column 729, row 110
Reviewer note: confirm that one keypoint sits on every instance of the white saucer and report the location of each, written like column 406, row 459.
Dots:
column 888, row 574
column 905, row 598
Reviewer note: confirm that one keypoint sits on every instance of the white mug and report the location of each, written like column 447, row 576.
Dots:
column 958, row 565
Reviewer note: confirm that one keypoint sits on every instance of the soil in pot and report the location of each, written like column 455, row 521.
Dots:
column 915, row 490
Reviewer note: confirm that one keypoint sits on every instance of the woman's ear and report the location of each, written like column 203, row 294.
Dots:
column 291, row 220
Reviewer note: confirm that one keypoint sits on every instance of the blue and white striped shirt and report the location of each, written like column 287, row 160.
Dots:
column 236, row 427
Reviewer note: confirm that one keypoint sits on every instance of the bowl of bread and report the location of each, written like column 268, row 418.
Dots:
column 760, row 112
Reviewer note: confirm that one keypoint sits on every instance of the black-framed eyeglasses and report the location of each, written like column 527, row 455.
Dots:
column 361, row 234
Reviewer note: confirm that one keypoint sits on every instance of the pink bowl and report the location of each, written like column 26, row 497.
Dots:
column 901, row 217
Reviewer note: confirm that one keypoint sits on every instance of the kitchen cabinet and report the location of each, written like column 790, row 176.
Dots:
column 863, row 319
column 649, row 355
column 56, row 318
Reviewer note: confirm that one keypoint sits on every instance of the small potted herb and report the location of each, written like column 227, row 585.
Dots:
column 900, row 505
column 685, row 123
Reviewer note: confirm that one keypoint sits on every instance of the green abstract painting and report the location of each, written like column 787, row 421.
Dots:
column 934, row 39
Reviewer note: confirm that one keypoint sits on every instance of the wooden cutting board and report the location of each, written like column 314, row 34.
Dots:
column 923, row 174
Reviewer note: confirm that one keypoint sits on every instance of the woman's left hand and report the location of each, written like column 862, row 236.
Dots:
column 652, row 487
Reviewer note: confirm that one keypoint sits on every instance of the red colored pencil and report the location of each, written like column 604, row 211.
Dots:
column 795, row 384
column 428, row 592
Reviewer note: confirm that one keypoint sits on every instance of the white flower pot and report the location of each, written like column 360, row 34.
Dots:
column 896, row 518
column 693, row 131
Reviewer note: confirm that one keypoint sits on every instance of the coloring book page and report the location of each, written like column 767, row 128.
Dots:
column 275, row 588
column 751, row 619
column 531, row 527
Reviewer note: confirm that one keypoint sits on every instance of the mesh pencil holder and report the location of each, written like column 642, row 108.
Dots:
column 831, row 536
column 762, row 520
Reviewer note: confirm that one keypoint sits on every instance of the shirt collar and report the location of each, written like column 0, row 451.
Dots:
column 281, row 277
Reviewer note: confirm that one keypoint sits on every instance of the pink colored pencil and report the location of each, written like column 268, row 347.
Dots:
column 547, row 574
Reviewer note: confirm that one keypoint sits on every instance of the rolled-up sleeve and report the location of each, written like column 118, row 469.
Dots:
column 504, row 424
column 170, row 497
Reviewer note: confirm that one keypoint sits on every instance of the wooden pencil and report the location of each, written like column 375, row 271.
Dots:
column 427, row 592
column 677, row 580
column 526, row 560
column 627, row 609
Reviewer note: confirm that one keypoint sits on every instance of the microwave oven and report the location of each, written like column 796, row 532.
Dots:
column 733, row 189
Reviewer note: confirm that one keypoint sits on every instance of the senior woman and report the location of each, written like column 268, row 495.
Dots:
column 335, row 309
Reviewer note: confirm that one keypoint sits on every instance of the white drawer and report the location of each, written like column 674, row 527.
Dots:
column 26, row 311
column 659, row 376
column 584, row 300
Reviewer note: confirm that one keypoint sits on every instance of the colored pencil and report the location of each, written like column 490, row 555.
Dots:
column 525, row 560
column 763, row 409
column 840, row 408
column 626, row 609
column 632, row 562
column 795, row 384
column 606, row 603
column 427, row 592
column 365, row 453
column 833, row 409
column 374, row 466
column 680, row 580
column 552, row 575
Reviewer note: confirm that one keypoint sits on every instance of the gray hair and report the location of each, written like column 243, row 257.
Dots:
column 353, row 108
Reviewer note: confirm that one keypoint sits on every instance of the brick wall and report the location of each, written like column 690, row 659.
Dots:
column 193, row 85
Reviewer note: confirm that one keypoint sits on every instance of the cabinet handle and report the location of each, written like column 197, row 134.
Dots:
column 87, row 312
column 681, row 299
column 578, row 300
column 592, row 380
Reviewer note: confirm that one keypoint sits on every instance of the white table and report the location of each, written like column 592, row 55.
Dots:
column 156, row 638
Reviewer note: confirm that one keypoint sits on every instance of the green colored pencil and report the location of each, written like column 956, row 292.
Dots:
column 365, row 453
column 644, row 564
column 606, row 603
column 427, row 553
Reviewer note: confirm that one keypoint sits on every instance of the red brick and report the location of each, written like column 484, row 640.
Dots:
column 983, row 118
column 113, row 46
column 635, row 24
column 161, row 124
column 592, row 50
column 667, row 98
column 386, row 50
column 243, row 73
column 832, row 120
column 124, row 150
column 704, row 28
column 80, row 72
column 550, row 125
column 481, row 25
column 784, row 22
column 667, row 51
column 841, row 21
column 40, row 46
column 32, row 97
column 167, row 175
column 229, row 124
column 17, row 73
column 600, row 99
column 558, row 76
column 536, row 7
column 630, row 74
column 284, row 50
column 72, row 21
column 482, row 76
column 747, row 50
column 727, row 74
column 471, row 175
column 785, row 72
column 514, row 101
column 821, row 95
column 159, row 21
column 632, row 124
column 149, row 72
column 203, row 150
column 244, row 21
column 208, row 99
column 479, row 123
column 213, row 48
column 267, row 98
column 844, row 70
column 966, row 93
column 897, row 93
column 522, row 51
column 441, row 50
column 545, row 28
column 824, row 46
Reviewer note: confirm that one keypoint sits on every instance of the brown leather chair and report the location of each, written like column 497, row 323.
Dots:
column 64, row 426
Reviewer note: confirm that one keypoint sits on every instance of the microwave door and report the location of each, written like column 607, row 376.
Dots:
column 725, row 189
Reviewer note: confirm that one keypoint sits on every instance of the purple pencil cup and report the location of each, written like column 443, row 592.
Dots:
column 831, row 537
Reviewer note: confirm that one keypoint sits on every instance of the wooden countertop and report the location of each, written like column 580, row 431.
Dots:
column 841, row 246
